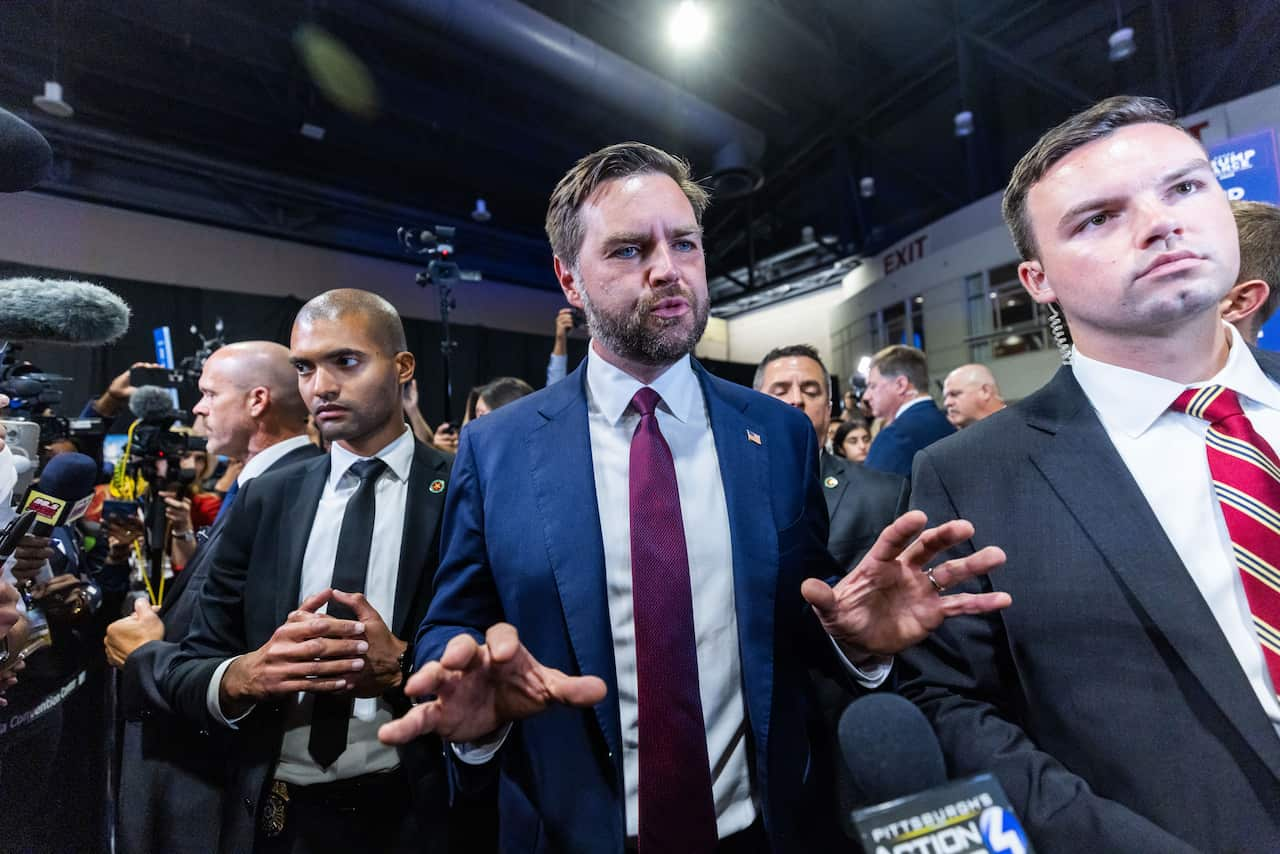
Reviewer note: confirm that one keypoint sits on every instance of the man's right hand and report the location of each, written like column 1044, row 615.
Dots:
column 564, row 325
column 314, row 654
column 477, row 689
column 30, row 557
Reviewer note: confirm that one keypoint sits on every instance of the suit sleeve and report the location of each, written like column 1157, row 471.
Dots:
column 891, row 451
column 964, row 680
column 465, row 597
column 217, row 628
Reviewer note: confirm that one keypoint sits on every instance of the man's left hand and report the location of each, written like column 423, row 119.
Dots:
column 128, row 633
column 888, row 602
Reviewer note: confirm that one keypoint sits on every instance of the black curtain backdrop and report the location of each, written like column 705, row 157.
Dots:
column 482, row 353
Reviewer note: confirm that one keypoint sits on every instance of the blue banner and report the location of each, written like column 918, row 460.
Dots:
column 1246, row 167
column 164, row 347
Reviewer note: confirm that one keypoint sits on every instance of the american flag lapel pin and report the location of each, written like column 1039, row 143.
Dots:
column 753, row 437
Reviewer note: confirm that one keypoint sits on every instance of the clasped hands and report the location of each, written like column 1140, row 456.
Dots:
column 319, row 654
column 884, row 605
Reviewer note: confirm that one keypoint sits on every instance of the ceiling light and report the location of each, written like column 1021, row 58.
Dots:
column 481, row 212
column 689, row 24
column 51, row 101
column 311, row 131
column 864, row 365
column 1120, row 44
column 964, row 123
column 867, row 187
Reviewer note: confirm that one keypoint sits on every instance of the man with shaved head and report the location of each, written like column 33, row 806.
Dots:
column 297, row 654
column 970, row 394
column 171, row 780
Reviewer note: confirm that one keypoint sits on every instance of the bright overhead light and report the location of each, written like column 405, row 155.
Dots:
column 964, row 123
column 689, row 24
column 51, row 101
column 1120, row 44
column 864, row 366
column 313, row 132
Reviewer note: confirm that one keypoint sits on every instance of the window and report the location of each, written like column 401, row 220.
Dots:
column 899, row 323
column 1003, row 319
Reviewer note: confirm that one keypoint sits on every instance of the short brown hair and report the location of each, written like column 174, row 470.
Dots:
column 1102, row 119
column 564, row 226
column 1259, row 227
column 899, row 360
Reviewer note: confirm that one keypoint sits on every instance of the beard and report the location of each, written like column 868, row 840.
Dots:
column 642, row 337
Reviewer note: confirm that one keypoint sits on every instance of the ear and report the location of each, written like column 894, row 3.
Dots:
column 259, row 400
column 568, row 282
column 405, row 365
column 1036, row 283
column 1243, row 300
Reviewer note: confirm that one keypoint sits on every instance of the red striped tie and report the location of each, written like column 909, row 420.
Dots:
column 1246, row 479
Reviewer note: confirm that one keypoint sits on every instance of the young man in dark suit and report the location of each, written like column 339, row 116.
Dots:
column 631, row 545
column 1128, row 701
column 898, row 394
column 171, row 776
column 297, row 653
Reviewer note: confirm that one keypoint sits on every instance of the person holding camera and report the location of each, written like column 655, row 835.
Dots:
column 171, row 774
column 567, row 320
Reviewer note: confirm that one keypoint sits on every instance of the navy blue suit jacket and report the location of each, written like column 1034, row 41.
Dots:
column 521, row 542
column 895, row 446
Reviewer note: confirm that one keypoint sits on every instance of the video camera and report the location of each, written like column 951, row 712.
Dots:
column 155, row 441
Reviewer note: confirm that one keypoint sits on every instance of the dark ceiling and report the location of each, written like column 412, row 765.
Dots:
column 193, row 108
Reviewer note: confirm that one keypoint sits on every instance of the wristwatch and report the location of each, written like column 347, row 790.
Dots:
column 405, row 661
column 188, row 535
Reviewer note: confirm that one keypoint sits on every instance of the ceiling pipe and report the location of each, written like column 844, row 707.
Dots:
column 513, row 31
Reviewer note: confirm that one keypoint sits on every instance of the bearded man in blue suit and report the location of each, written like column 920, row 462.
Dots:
column 631, row 591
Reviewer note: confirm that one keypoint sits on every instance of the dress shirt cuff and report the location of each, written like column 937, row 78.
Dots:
column 211, row 698
column 480, row 752
column 869, row 677
column 557, row 367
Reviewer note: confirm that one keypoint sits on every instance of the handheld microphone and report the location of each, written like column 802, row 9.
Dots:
column 60, row 312
column 26, row 154
column 63, row 493
column 896, row 763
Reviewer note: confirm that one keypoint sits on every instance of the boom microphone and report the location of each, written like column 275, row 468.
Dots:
column 60, row 312
column 151, row 403
column 25, row 154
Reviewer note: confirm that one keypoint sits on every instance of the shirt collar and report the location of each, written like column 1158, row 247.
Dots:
column 1130, row 401
column 398, row 456
column 910, row 403
column 611, row 388
column 269, row 456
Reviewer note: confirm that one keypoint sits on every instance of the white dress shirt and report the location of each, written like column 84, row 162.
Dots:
column 910, row 403
column 1165, row 453
column 364, row 753
column 269, row 456
column 682, row 417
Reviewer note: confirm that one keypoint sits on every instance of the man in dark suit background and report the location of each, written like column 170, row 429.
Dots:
column 860, row 502
column 898, row 394
column 299, row 693
column 597, row 533
column 1127, row 702
column 171, row 774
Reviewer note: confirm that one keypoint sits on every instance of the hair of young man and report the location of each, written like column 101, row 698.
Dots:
column 1098, row 121
column 579, row 184
column 790, row 351
column 502, row 391
column 381, row 320
column 899, row 360
column 1259, row 227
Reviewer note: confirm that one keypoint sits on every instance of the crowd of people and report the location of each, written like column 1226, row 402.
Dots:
column 624, row 611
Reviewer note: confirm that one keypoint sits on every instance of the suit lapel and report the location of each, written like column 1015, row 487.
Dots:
column 560, row 461
column 833, row 494
column 754, row 538
column 422, row 516
column 1083, row 467
column 306, row 488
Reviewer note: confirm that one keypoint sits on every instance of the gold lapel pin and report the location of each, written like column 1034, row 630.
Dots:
column 437, row 486
column 831, row 483
column 753, row 437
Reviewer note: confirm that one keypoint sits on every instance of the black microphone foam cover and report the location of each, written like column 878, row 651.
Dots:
column 151, row 403
column 890, row 748
column 69, row 476
column 25, row 154
column 61, row 312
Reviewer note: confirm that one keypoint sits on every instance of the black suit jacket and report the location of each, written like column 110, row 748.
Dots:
column 1105, row 699
column 861, row 503
column 252, row 586
column 171, row 774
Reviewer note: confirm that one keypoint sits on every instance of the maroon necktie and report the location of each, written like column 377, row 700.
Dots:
column 677, row 811
column 1246, row 479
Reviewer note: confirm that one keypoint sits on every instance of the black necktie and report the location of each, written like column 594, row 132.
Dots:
column 330, row 715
